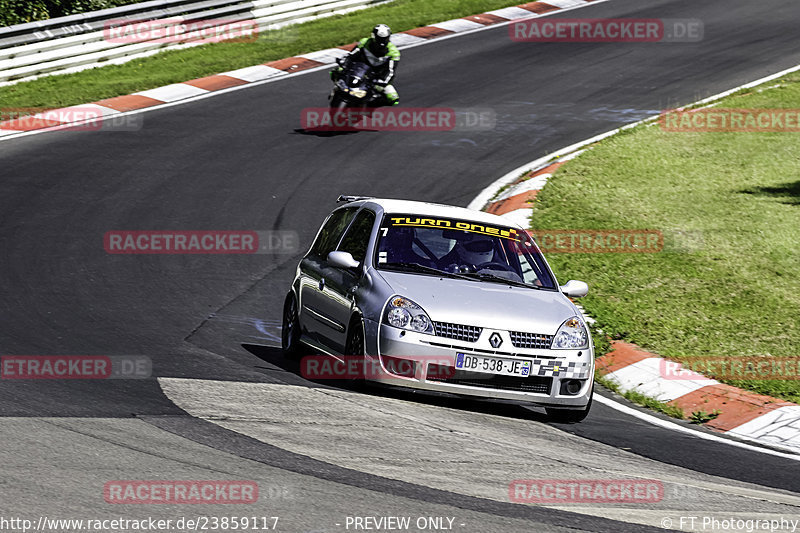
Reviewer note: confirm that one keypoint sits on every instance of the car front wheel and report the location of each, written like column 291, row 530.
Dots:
column 355, row 338
column 290, row 330
column 355, row 347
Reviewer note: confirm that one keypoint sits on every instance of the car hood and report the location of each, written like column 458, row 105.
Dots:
column 484, row 304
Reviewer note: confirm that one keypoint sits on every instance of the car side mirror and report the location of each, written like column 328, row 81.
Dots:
column 342, row 260
column 575, row 289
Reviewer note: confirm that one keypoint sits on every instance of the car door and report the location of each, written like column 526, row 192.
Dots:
column 314, row 320
column 341, row 283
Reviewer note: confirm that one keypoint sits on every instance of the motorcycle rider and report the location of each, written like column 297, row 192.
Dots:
column 379, row 52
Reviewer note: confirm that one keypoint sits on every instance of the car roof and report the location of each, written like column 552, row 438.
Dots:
column 409, row 207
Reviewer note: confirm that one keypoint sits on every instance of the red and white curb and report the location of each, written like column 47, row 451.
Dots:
column 515, row 201
column 170, row 94
column 742, row 414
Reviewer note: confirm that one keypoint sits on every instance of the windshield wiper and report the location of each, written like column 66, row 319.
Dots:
column 416, row 267
column 485, row 276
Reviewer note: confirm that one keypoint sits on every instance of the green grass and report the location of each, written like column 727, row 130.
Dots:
column 727, row 282
column 181, row 65
column 600, row 341
column 701, row 417
column 21, row 11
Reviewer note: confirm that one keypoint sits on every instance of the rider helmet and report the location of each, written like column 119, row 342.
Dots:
column 477, row 251
column 380, row 39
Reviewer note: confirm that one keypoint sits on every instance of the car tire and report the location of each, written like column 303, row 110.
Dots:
column 569, row 416
column 355, row 346
column 355, row 337
column 290, row 329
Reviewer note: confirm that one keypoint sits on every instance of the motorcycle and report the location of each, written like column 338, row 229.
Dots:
column 355, row 87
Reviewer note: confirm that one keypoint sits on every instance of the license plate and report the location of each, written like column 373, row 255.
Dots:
column 493, row 365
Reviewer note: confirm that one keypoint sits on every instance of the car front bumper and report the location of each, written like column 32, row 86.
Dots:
column 408, row 359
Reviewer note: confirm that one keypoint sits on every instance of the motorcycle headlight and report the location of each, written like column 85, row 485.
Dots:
column 402, row 313
column 572, row 335
column 358, row 93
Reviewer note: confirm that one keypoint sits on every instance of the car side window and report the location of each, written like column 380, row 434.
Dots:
column 332, row 231
column 357, row 237
column 528, row 271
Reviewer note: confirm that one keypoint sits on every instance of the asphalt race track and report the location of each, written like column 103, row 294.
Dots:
column 225, row 404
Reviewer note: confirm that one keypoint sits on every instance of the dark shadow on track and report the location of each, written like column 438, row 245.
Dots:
column 325, row 133
column 292, row 368
column 294, row 376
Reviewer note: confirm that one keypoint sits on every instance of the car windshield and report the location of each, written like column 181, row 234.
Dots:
column 495, row 254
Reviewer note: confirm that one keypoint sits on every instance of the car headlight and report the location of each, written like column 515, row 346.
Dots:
column 402, row 313
column 572, row 335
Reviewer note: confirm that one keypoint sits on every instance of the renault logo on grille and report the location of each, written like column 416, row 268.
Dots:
column 495, row 340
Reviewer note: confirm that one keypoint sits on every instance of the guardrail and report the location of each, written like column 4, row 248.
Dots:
column 77, row 42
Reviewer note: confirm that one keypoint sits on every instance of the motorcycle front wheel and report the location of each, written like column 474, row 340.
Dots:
column 338, row 103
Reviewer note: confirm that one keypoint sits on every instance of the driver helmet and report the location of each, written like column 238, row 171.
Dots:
column 477, row 251
column 379, row 42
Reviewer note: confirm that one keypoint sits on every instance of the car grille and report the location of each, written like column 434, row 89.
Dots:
column 520, row 339
column 457, row 331
column 473, row 349
column 448, row 374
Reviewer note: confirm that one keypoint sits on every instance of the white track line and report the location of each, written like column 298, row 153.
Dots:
column 680, row 429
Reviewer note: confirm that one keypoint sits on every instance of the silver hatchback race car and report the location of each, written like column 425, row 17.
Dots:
column 443, row 299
